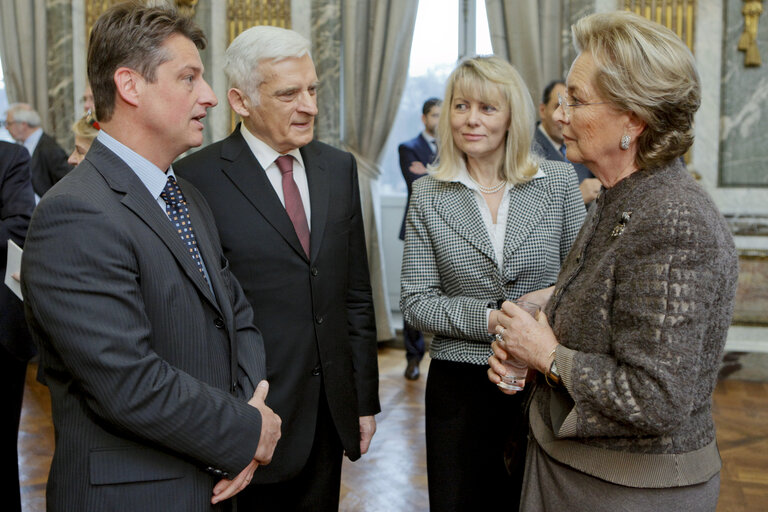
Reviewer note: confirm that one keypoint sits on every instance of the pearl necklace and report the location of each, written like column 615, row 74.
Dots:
column 488, row 190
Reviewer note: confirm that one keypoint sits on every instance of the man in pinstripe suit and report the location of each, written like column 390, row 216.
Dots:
column 151, row 356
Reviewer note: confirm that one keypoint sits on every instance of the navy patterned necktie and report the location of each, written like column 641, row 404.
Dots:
column 563, row 150
column 176, row 208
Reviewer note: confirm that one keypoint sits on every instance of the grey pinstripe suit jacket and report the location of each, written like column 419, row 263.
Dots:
column 449, row 273
column 147, row 369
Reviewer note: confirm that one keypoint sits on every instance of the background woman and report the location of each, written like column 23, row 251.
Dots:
column 85, row 129
column 491, row 223
column 642, row 305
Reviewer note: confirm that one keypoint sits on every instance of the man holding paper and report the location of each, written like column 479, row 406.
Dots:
column 17, row 200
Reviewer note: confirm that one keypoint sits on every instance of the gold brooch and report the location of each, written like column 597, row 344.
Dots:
column 618, row 230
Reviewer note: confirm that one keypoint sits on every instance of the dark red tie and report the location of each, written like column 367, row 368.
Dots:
column 293, row 204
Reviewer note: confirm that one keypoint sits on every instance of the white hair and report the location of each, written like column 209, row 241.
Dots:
column 24, row 113
column 250, row 48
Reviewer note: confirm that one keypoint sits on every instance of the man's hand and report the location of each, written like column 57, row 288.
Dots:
column 225, row 489
column 417, row 167
column 270, row 424
column 590, row 188
column 270, row 433
column 367, row 429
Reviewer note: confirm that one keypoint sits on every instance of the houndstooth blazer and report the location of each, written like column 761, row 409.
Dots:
column 449, row 274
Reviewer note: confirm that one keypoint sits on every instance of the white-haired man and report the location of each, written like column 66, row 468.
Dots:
column 288, row 212
column 49, row 161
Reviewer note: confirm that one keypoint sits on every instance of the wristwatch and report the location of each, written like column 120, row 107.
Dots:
column 552, row 376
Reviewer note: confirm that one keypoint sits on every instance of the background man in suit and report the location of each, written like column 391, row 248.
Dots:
column 49, row 162
column 16, row 204
column 288, row 213
column 146, row 340
column 415, row 155
column 548, row 140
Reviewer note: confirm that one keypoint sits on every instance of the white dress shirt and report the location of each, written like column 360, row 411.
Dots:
column 497, row 231
column 267, row 156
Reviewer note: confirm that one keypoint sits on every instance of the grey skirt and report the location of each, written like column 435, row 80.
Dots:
column 551, row 486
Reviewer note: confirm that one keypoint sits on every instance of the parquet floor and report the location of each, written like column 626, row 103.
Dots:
column 392, row 476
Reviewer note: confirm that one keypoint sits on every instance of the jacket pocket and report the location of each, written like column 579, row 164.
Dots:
column 133, row 464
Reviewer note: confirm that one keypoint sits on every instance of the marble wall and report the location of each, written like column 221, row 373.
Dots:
column 326, row 51
column 744, row 115
column 59, row 49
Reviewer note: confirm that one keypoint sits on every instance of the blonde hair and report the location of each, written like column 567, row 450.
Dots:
column 646, row 69
column 86, row 127
column 486, row 78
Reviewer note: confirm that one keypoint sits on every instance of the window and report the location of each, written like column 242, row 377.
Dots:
column 434, row 54
column 4, row 135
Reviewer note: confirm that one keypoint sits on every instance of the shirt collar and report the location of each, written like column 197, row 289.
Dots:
column 31, row 142
column 465, row 179
column 544, row 132
column 263, row 152
column 150, row 175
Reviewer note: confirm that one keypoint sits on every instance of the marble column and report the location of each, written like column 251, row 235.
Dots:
column 744, row 154
column 326, row 51
column 61, row 106
column 572, row 12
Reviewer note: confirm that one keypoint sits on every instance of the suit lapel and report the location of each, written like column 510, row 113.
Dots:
column 247, row 175
column 457, row 206
column 319, row 193
column 424, row 151
column 548, row 151
column 527, row 205
column 136, row 198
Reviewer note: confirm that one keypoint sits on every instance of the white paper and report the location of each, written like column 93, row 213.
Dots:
column 13, row 265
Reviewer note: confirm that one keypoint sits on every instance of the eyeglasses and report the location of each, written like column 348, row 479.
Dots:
column 564, row 103
column 5, row 124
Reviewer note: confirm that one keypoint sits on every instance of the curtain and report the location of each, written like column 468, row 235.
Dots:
column 24, row 53
column 528, row 34
column 376, row 39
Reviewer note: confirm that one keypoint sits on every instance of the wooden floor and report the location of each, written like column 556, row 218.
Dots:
column 392, row 476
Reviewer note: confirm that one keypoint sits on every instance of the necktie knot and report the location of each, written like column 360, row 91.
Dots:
column 563, row 151
column 285, row 164
column 178, row 212
column 171, row 194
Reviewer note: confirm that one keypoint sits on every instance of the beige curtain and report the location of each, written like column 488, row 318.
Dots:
column 23, row 50
column 528, row 33
column 377, row 36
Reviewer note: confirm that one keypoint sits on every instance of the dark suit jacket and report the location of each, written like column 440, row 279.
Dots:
column 415, row 150
column 543, row 147
column 47, row 165
column 16, row 204
column 148, row 371
column 316, row 314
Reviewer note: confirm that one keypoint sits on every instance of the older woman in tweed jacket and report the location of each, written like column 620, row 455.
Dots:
column 490, row 223
column 642, row 306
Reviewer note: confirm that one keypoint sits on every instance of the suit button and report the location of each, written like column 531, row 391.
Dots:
column 319, row 319
column 219, row 323
column 316, row 370
column 314, row 271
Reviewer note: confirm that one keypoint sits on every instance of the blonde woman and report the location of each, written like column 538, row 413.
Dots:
column 85, row 129
column 490, row 223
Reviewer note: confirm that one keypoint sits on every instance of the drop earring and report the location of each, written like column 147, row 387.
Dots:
column 625, row 142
